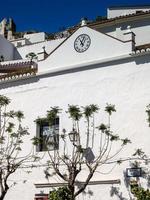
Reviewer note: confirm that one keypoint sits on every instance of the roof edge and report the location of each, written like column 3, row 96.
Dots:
column 130, row 6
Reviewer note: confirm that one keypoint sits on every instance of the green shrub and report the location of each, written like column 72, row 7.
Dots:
column 141, row 193
column 60, row 194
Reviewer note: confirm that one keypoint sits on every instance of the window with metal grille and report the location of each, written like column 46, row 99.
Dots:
column 48, row 135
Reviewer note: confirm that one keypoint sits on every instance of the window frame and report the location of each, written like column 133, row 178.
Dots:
column 53, row 138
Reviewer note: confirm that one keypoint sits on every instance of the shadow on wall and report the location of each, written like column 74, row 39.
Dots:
column 87, row 194
column 142, row 59
column 15, row 83
column 136, row 24
column 17, row 55
column 115, row 191
column 145, row 174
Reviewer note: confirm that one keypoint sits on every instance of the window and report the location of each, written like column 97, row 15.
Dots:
column 19, row 44
column 48, row 135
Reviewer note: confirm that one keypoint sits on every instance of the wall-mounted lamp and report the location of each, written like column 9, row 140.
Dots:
column 73, row 136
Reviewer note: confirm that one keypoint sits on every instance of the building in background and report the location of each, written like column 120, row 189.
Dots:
column 8, row 28
column 113, row 67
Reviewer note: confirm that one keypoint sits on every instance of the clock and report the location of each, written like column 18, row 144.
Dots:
column 82, row 43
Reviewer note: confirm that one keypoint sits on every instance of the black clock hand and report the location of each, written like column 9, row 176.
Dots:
column 81, row 42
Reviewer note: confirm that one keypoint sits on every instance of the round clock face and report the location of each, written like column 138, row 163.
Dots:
column 82, row 43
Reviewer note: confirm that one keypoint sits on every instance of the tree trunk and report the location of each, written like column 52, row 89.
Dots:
column 4, row 189
column 72, row 190
column 3, row 194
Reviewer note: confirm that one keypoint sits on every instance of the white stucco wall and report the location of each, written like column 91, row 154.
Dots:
column 38, row 48
column 102, row 47
column 20, row 42
column 35, row 37
column 120, row 81
column 124, row 83
column 141, row 29
column 120, row 11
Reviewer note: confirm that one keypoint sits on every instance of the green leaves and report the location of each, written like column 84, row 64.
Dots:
column 114, row 137
column 19, row 114
column 41, row 120
column 52, row 114
column 36, row 141
column 11, row 139
column 125, row 141
column 4, row 101
column 61, row 193
column 10, row 127
column 10, row 114
column 86, row 150
column 110, row 108
column 2, row 139
column 140, row 193
column 13, row 135
column 80, row 149
column 74, row 112
column 94, row 108
column 88, row 111
column 22, row 131
column 18, row 148
column 102, row 127
column 31, row 56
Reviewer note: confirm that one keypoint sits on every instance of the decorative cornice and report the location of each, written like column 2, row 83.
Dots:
column 17, row 70
column 142, row 48
column 18, row 75
column 16, row 66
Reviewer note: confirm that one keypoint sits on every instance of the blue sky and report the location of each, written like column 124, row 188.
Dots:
column 51, row 15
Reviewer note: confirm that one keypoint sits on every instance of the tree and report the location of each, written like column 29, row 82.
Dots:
column 11, row 139
column 88, row 148
column 140, row 193
column 100, row 18
column 61, row 193
column 31, row 56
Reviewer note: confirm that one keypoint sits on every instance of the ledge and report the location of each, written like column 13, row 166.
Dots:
column 64, row 69
column 104, row 182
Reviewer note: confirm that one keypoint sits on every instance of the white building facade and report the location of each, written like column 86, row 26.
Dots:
column 98, row 63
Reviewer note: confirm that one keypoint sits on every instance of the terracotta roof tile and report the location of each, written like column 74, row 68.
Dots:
column 105, row 21
column 143, row 13
column 142, row 48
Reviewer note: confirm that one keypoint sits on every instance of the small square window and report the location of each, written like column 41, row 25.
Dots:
column 19, row 44
column 48, row 135
column 134, row 172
